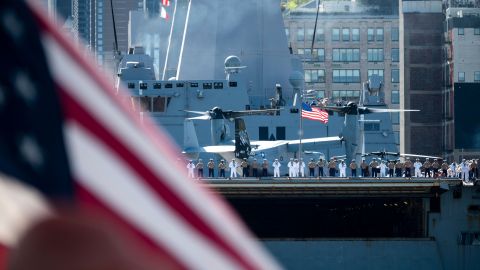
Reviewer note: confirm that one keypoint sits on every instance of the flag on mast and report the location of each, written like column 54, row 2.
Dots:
column 163, row 13
column 166, row 3
column 314, row 113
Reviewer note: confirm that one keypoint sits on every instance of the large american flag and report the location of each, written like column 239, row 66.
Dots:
column 314, row 113
column 65, row 133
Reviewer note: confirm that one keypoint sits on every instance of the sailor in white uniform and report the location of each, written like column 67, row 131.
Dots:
column 417, row 166
column 383, row 169
column 296, row 167
column 302, row 168
column 465, row 169
column 276, row 168
column 233, row 168
column 342, row 167
column 191, row 169
column 290, row 168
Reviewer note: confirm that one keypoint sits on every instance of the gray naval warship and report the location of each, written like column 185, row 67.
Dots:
column 223, row 63
column 236, row 59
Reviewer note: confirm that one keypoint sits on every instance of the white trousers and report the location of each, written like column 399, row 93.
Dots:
column 276, row 172
column 233, row 172
column 190, row 173
column 343, row 173
column 418, row 173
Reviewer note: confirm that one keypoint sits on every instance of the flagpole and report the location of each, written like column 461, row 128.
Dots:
column 301, row 128
column 183, row 40
column 169, row 41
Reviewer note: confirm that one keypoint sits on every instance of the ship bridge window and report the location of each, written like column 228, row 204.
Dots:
column 371, row 126
column 159, row 104
column 193, row 84
column 218, row 85
column 141, row 104
column 131, row 85
column 207, row 85
column 143, row 85
column 180, row 84
column 168, row 85
column 232, row 84
column 157, row 86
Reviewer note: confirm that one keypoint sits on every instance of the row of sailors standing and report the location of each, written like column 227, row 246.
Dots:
column 376, row 168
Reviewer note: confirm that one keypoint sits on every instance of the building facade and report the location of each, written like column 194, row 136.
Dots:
column 93, row 23
column 351, row 44
column 462, row 79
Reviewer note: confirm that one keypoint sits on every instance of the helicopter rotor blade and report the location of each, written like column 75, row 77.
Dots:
column 196, row 112
column 201, row 117
column 366, row 110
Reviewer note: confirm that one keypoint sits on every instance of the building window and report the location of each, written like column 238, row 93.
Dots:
column 300, row 34
column 371, row 34
column 476, row 31
column 395, row 75
column 375, row 55
column 309, row 34
column 395, row 118
column 345, row 34
column 287, row 33
column 320, row 34
column 346, row 55
column 355, row 34
column 461, row 76
column 395, row 97
column 476, row 76
column 346, row 76
column 306, row 54
column 320, row 55
column 314, row 75
column 395, row 34
column 143, row 86
column 461, row 31
column 379, row 34
column 345, row 94
column 395, row 55
column 335, row 34
column 378, row 72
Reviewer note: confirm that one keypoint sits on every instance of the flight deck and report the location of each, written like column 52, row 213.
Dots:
column 331, row 187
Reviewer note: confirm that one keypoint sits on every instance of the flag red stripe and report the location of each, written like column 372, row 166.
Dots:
column 74, row 111
column 3, row 256
column 88, row 201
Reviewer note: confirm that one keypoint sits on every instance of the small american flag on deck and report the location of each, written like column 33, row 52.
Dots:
column 314, row 113
column 65, row 133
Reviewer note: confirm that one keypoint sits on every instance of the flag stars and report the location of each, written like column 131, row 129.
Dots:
column 12, row 24
column 25, row 87
column 31, row 152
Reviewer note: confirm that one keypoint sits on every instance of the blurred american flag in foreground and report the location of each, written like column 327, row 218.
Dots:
column 66, row 139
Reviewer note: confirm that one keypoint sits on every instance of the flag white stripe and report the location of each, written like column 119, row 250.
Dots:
column 89, row 94
column 109, row 178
